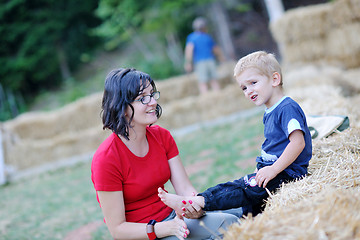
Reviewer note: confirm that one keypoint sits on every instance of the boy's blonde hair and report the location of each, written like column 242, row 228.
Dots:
column 262, row 61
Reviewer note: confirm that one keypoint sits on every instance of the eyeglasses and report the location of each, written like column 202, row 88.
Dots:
column 147, row 98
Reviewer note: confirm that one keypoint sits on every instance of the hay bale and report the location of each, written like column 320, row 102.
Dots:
column 299, row 76
column 350, row 82
column 212, row 105
column 177, row 87
column 309, row 50
column 355, row 7
column 327, row 100
column 183, row 86
column 81, row 114
column 324, row 90
column 76, row 129
column 293, row 26
column 30, row 153
column 329, row 196
column 344, row 12
column 328, row 215
column 343, row 45
column 322, row 33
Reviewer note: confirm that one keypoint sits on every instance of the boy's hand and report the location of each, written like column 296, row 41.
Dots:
column 264, row 175
column 193, row 211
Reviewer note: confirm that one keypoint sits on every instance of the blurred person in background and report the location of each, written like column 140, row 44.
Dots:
column 201, row 52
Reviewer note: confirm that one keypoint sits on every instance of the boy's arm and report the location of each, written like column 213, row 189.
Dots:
column 291, row 152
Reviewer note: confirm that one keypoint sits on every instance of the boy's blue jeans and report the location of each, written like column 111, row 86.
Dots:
column 240, row 193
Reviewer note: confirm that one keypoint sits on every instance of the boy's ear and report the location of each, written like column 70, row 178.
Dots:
column 276, row 78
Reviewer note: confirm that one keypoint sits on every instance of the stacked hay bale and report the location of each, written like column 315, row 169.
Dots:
column 180, row 87
column 182, row 105
column 323, row 205
column 322, row 33
column 195, row 109
column 73, row 133
column 325, row 90
column 34, row 139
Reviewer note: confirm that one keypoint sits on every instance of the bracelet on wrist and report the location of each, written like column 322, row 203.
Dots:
column 150, row 231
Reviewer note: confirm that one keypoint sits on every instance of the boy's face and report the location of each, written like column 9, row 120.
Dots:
column 258, row 88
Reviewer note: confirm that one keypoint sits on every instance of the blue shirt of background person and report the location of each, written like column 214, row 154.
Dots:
column 279, row 121
column 203, row 45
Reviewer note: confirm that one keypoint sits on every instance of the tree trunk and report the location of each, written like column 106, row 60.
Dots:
column 2, row 161
column 64, row 66
column 274, row 8
column 174, row 51
column 221, row 22
column 140, row 44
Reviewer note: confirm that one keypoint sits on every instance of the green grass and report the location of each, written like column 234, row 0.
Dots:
column 220, row 149
column 48, row 206
column 51, row 205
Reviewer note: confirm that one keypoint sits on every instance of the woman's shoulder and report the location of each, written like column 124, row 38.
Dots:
column 108, row 145
column 156, row 129
column 159, row 133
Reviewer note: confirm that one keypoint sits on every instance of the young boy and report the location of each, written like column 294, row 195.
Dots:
column 285, row 153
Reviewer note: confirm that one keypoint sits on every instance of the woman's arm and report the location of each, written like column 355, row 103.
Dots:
column 113, row 208
column 183, row 187
column 179, row 178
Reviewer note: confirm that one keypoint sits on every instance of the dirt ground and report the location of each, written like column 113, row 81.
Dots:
column 84, row 232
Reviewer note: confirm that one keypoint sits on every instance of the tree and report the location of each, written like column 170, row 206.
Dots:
column 158, row 26
column 42, row 42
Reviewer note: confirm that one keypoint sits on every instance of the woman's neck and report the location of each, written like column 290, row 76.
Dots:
column 137, row 142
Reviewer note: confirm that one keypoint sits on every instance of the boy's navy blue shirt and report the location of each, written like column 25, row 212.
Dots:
column 279, row 121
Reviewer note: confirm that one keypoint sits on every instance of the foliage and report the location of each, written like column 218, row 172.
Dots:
column 38, row 36
column 10, row 104
column 44, row 41
column 123, row 19
column 157, row 29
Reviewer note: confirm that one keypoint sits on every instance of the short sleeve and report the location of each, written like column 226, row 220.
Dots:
column 291, row 119
column 106, row 172
column 293, row 125
column 168, row 142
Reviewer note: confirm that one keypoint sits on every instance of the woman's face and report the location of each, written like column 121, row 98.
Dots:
column 144, row 114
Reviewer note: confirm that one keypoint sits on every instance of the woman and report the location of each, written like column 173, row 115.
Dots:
column 138, row 158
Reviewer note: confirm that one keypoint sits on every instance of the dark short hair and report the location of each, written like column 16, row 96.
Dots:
column 122, row 86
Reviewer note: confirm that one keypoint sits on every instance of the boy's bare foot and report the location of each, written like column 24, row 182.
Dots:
column 181, row 204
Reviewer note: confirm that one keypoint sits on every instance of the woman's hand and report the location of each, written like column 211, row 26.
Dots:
column 178, row 227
